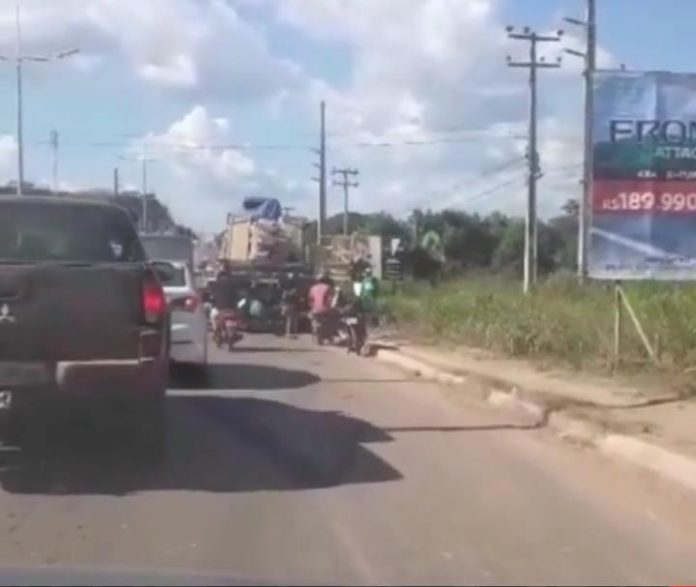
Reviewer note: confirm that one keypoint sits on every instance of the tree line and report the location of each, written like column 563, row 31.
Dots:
column 160, row 218
column 450, row 241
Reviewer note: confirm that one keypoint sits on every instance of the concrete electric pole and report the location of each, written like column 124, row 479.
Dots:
column 346, row 184
column 144, row 160
column 534, row 64
column 54, row 143
column 19, row 59
column 590, row 57
column 321, row 166
column 117, row 187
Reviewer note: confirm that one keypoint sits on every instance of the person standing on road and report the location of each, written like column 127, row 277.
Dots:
column 290, row 302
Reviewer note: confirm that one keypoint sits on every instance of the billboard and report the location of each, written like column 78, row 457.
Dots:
column 644, row 177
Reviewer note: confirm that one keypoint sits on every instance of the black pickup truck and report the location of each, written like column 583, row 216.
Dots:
column 83, row 318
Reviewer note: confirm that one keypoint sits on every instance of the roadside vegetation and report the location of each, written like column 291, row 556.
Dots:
column 467, row 292
column 561, row 321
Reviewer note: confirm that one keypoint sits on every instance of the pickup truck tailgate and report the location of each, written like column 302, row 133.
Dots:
column 70, row 313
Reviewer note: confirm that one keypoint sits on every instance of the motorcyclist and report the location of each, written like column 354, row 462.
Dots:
column 224, row 304
column 367, row 290
column 320, row 298
column 354, row 322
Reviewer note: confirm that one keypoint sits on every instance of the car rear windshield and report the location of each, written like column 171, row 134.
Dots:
column 48, row 232
column 170, row 275
column 172, row 248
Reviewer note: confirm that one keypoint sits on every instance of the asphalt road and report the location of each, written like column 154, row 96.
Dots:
column 300, row 465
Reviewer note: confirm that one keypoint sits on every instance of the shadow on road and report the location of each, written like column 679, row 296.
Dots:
column 215, row 444
column 241, row 376
column 454, row 429
column 269, row 349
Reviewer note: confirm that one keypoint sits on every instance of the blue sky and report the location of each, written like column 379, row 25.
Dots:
column 196, row 73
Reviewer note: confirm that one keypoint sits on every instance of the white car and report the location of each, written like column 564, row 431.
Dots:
column 189, row 326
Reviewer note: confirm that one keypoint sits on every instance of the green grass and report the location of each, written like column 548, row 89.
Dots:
column 560, row 320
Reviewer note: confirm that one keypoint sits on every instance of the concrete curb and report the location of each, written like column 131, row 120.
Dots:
column 650, row 456
column 666, row 463
column 419, row 368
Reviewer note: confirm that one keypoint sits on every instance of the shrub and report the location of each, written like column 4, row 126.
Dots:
column 561, row 319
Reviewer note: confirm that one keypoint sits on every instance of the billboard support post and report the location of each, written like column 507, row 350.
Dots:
column 618, row 324
column 621, row 301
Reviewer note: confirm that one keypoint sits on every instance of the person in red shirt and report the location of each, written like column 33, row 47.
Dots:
column 320, row 297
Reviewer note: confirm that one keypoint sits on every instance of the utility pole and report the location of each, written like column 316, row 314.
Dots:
column 54, row 143
column 321, row 166
column 534, row 64
column 144, row 161
column 117, row 187
column 19, row 59
column 346, row 184
column 590, row 57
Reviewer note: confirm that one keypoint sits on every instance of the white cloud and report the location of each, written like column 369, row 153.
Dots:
column 188, row 142
column 438, row 66
column 416, row 73
column 201, row 48
column 202, row 176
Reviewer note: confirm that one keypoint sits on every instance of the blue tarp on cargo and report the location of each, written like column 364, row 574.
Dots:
column 263, row 208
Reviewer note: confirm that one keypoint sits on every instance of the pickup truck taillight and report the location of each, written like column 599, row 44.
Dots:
column 154, row 302
column 186, row 304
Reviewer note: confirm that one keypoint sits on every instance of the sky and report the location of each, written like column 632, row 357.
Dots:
column 223, row 97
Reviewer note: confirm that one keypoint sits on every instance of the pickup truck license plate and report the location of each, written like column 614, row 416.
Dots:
column 352, row 321
column 23, row 373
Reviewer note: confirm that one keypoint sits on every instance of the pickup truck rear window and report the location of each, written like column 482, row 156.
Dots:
column 47, row 232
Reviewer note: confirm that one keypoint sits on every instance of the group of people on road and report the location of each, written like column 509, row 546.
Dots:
column 288, row 300
column 330, row 304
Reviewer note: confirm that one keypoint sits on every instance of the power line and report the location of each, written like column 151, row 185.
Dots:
column 291, row 147
column 463, row 128
column 494, row 170
column 495, row 189
column 554, row 170
column 503, row 166
column 416, row 143
column 517, row 180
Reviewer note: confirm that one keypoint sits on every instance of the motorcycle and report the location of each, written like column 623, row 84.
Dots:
column 353, row 330
column 321, row 327
column 227, row 330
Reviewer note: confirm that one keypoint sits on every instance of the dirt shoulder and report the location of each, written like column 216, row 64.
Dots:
column 649, row 406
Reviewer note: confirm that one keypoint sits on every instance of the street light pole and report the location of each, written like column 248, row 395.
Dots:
column 19, row 58
column 20, row 107
column 144, row 172
column 54, row 142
